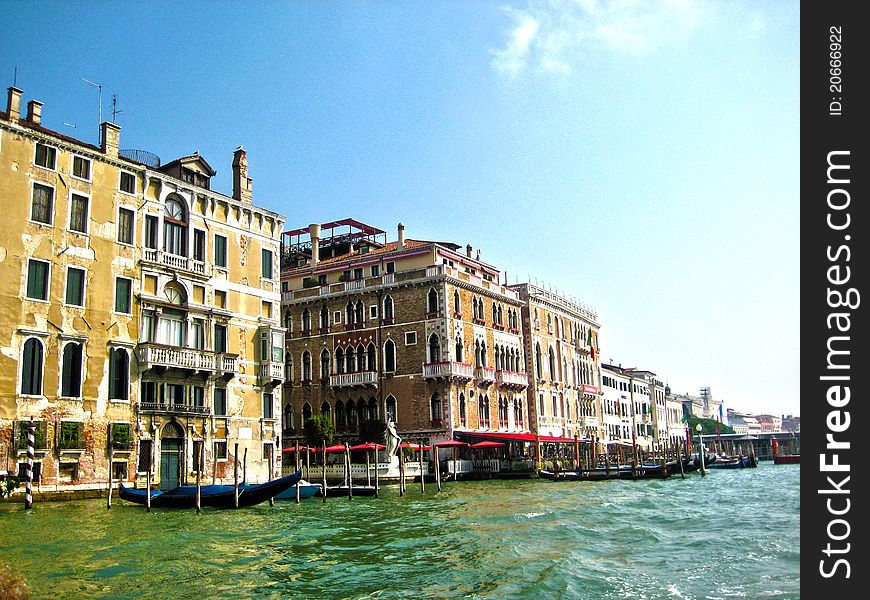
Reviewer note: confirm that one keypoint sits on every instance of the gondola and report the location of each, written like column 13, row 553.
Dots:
column 306, row 490
column 217, row 496
column 341, row 490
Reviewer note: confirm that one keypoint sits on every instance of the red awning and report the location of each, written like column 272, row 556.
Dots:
column 517, row 437
column 488, row 444
column 334, row 449
column 367, row 446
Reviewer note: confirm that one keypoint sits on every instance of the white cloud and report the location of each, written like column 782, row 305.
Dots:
column 550, row 36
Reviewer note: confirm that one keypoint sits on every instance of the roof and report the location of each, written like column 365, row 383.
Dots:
column 388, row 247
column 184, row 160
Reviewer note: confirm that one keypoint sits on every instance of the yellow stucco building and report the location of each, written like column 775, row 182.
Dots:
column 139, row 315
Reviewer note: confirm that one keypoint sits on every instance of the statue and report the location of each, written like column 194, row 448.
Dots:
column 392, row 439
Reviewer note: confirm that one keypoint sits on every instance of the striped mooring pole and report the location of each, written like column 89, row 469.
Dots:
column 28, row 474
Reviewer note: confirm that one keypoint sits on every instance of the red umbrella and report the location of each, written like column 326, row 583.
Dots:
column 451, row 444
column 367, row 446
column 301, row 449
column 487, row 444
column 334, row 449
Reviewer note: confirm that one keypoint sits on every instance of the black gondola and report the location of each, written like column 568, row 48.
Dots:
column 217, row 496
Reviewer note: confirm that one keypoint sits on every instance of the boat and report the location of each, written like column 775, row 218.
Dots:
column 217, row 496
column 787, row 459
column 341, row 490
column 560, row 475
column 306, row 490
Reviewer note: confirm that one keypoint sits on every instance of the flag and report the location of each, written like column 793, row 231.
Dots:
column 589, row 343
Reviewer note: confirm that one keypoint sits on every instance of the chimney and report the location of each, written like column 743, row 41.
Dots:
column 241, row 182
column 478, row 254
column 314, row 233
column 111, row 138
column 469, row 250
column 401, row 235
column 13, row 104
column 34, row 111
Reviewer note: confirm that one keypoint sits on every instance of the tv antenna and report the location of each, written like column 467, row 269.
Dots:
column 100, row 88
column 115, row 111
column 73, row 125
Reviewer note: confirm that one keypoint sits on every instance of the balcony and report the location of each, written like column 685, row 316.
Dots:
column 173, row 409
column 512, row 379
column 448, row 370
column 351, row 380
column 271, row 373
column 589, row 422
column 159, row 356
column 484, row 375
column 175, row 262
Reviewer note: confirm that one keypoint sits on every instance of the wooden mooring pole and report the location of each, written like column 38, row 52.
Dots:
column 377, row 466
column 323, row 458
column 298, row 498
column 199, row 476
column 236, row 473
column 401, row 472
column 272, row 472
column 422, row 479
column 347, row 470
column 111, row 460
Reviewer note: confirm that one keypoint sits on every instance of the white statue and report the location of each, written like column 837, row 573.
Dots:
column 393, row 440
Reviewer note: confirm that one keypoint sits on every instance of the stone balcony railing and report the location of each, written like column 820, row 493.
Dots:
column 173, row 357
column 271, row 373
column 512, row 379
column 484, row 374
column 171, row 408
column 358, row 379
column 448, row 370
column 183, row 263
column 589, row 421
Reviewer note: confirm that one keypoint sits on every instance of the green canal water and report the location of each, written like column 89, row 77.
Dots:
column 732, row 534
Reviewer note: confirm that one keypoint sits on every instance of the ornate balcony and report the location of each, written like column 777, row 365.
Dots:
column 174, row 409
column 159, row 356
column 351, row 380
column 512, row 379
column 589, row 422
column 182, row 263
column 448, row 370
column 485, row 375
column 271, row 373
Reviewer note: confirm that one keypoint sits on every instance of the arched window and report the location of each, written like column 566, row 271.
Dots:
column 288, row 321
column 474, row 307
column 288, row 367
column 306, row 414
column 462, row 410
column 483, row 354
column 373, row 409
column 306, row 320
column 481, row 412
column 388, row 308
column 360, row 411
column 371, row 358
column 324, row 318
column 306, row 366
column 71, row 374
column 555, row 406
column 360, row 359
column 434, row 349
column 494, row 314
column 348, row 314
column 432, row 301
column 389, row 356
column 391, row 409
column 339, row 360
column 175, row 227
column 457, row 305
column 539, row 366
column 435, row 407
column 476, row 353
column 324, row 363
column 459, row 349
column 552, row 365
column 324, row 410
column 557, row 327
column 359, row 312
column 31, row 368
column 350, row 361
column 119, row 374
column 288, row 417
column 340, row 421
column 500, row 316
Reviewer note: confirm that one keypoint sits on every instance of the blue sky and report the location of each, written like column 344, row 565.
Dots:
column 641, row 157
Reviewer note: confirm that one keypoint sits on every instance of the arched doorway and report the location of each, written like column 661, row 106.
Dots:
column 171, row 447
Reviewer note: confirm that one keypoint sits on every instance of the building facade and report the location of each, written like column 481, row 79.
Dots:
column 561, row 343
column 414, row 332
column 136, row 303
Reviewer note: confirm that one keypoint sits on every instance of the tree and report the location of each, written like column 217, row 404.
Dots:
column 372, row 430
column 319, row 429
column 708, row 426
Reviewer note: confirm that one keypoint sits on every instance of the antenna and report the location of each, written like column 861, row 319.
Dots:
column 115, row 111
column 73, row 125
column 100, row 88
column 15, row 78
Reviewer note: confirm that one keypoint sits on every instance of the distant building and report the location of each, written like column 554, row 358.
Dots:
column 791, row 423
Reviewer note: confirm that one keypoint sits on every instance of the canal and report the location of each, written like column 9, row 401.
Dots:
column 734, row 533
